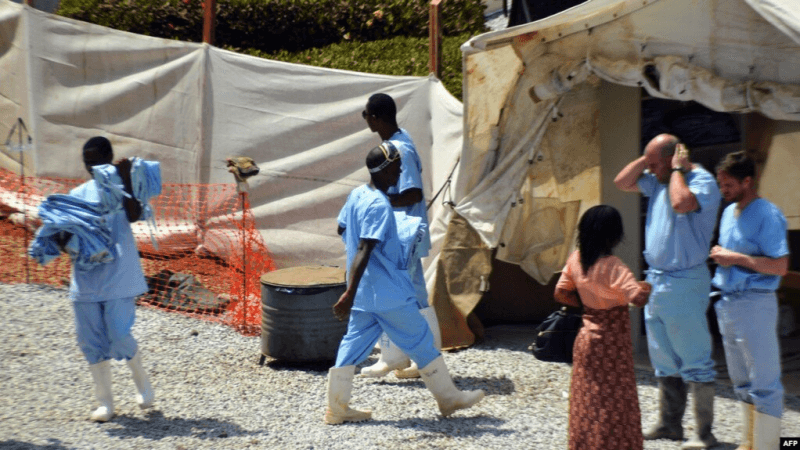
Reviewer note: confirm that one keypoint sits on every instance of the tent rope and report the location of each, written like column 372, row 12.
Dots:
column 446, row 185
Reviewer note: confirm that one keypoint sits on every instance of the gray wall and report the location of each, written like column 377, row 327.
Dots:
column 620, row 127
column 619, row 140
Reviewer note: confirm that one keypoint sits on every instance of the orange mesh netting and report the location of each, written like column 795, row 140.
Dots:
column 206, row 263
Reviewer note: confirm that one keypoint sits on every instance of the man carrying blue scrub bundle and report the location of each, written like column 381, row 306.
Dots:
column 380, row 297
column 753, row 256
column 103, row 297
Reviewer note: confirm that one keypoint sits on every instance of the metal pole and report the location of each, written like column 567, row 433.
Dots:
column 24, row 203
column 209, row 21
column 435, row 38
column 244, row 257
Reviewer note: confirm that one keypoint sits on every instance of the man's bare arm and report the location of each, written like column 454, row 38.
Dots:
column 408, row 197
column 760, row 264
column 626, row 179
column 342, row 307
column 680, row 197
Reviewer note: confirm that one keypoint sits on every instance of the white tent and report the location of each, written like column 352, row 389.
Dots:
column 552, row 114
column 191, row 105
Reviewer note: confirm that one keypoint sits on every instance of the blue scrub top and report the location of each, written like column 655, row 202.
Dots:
column 760, row 230
column 367, row 214
column 679, row 241
column 120, row 278
column 411, row 177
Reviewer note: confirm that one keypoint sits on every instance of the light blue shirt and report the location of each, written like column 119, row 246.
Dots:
column 679, row 241
column 760, row 230
column 410, row 178
column 120, row 278
column 367, row 214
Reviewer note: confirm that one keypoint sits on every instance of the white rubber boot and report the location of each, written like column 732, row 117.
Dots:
column 340, row 385
column 766, row 432
column 430, row 316
column 391, row 358
column 101, row 374
column 450, row 399
column 748, row 416
column 146, row 394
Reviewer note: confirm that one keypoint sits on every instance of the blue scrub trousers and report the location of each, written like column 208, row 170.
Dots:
column 104, row 329
column 417, row 274
column 678, row 337
column 748, row 322
column 405, row 326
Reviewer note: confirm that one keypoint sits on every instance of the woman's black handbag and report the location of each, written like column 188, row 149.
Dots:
column 555, row 336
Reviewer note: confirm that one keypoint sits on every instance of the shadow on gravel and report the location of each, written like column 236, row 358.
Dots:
column 450, row 427
column 17, row 445
column 491, row 386
column 313, row 366
column 726, row 446
column 156, row 427
column 510, row 337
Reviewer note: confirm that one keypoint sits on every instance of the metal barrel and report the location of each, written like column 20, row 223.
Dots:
column 297, row 321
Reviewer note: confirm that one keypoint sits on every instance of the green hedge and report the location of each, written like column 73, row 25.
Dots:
column 275, row 25
column 396, row 56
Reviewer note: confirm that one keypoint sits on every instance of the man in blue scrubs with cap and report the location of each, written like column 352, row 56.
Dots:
column 406, row 196
column 380, row 297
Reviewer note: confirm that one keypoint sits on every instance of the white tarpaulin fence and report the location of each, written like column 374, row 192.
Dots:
column 190, row 106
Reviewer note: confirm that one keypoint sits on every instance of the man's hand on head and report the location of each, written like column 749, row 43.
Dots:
column 680, row 160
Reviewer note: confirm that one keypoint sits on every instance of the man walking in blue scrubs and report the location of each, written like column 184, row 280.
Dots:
column 104, row 296
column 380, row 297
column 406, row 196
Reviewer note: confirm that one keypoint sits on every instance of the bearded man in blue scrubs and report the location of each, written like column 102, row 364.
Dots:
column 752, row 256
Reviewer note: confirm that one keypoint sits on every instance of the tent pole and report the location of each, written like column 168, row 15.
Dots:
column 24, row 198
column 435, row 38
column 209, row 21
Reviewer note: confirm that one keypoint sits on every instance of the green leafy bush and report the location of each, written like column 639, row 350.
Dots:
column 400, row 55
column 275, row 25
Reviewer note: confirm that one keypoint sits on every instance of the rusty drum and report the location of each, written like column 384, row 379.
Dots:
column 297, row 321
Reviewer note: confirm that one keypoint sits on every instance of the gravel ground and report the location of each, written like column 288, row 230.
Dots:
column 211, row 393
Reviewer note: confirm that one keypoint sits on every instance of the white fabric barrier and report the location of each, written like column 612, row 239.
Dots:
column 190, row 106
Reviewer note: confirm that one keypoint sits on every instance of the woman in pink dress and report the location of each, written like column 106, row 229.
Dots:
column 604, row 405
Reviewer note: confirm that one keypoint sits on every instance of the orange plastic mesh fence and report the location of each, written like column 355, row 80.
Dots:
column 207, row 260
